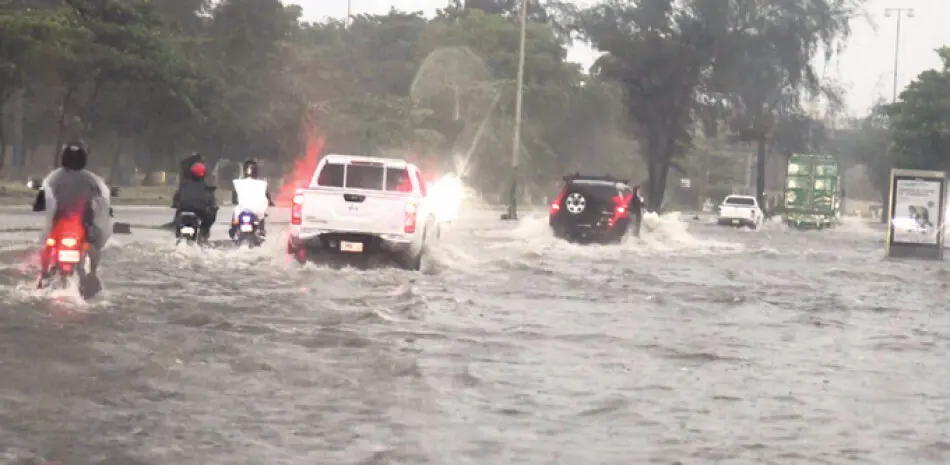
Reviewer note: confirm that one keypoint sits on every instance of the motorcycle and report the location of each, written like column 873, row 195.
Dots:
column 188, row 228
column 247, row 229
column 65, row 262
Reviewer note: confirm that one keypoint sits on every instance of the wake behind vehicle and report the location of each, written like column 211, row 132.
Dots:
column 598, row 209
column 812, row 192
column 357, row 205
column 248, row 229
column 740, row 210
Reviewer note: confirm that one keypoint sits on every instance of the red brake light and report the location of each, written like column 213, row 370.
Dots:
column 409, row 226
column 296, row 212
column 620, row 207
column 556, row 204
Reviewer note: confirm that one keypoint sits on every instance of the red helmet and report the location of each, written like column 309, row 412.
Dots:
column 198, row 170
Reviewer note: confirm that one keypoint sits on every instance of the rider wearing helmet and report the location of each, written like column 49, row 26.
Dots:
column 196, row 196
column 71, row 189
column 250, row 194
column 184, row 175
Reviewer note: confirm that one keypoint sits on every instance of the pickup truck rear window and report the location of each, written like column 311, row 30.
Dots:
column 331, row 175
column 397, row 180
column 368, row 176
column 365, row 176
column 739, row 201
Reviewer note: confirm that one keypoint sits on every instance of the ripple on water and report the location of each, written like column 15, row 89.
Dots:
column 695, row 344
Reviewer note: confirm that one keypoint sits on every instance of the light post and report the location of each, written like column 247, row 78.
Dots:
column 349, row 10
column 900, row 12
column 516, row 142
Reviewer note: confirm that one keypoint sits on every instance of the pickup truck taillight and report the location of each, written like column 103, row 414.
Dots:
column 409, row 226
column 296, row 212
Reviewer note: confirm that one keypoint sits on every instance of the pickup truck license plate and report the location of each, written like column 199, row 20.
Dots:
column 356, row 247
column 735, row 221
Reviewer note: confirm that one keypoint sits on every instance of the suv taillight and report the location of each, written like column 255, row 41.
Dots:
column 620, row 207
column 296, row 212
column 409, row 226
column 556, row 204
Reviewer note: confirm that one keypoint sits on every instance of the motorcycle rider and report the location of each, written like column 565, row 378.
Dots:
column 250, row 194
column 74, row 190
column 183, row 176
column 196, row 196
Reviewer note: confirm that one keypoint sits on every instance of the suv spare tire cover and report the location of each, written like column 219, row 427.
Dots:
column 575, row 203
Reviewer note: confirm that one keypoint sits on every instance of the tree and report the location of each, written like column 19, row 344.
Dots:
column 144, row 82
column 659, row 54
column 765, row 63
column 920, row 120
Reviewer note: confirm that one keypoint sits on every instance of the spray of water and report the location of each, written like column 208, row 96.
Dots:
column 305, row 165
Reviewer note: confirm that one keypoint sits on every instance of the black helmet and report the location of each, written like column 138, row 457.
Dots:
column 250, row 169
column 73, row 157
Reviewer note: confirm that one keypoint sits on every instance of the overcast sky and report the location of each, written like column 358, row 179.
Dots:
column 865, row 68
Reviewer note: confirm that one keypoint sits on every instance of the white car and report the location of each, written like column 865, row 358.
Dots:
column 358, row 205
column 740, row 210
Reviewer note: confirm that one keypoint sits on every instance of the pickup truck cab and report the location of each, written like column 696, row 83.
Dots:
column 740, row 210
column 358, row 205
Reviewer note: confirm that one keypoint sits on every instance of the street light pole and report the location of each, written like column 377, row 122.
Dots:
column 900, row 12
column 516, row 142
column 349, row 9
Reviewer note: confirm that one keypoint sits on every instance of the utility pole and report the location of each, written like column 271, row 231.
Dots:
column 349, row 10
column 900, row 12
column 516, row 143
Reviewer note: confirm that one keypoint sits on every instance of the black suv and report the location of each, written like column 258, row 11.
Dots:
column 596, row 209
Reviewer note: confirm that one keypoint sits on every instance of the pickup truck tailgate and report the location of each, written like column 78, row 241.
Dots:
column 352, row 210
column 733, row 211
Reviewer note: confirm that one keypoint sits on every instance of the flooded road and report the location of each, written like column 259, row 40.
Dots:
column 694, row 345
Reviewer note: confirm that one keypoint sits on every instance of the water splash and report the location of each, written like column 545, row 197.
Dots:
column 305, row 165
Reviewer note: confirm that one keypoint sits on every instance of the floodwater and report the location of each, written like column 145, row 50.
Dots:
column 695, row 345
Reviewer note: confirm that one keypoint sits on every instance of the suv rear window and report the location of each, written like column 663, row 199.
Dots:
column 602, row 190
column 367, row 176
column 739, row 201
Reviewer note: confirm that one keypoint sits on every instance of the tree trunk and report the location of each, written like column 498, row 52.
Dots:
column 115, row 168
column 658, row 167
column 760, row 169
column 3, row 147
column 885, row 204
column 60, row 125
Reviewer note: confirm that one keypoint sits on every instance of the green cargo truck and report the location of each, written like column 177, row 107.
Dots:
column 812, row 192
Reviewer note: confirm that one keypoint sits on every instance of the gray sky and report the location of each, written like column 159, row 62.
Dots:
column 865, row 69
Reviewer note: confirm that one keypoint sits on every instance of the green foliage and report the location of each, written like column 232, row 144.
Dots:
column 920, row 120
column 743, row 64
column 145, row 82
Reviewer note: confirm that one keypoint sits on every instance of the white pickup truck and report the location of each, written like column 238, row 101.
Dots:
column 740, row 210
column 357, row 205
